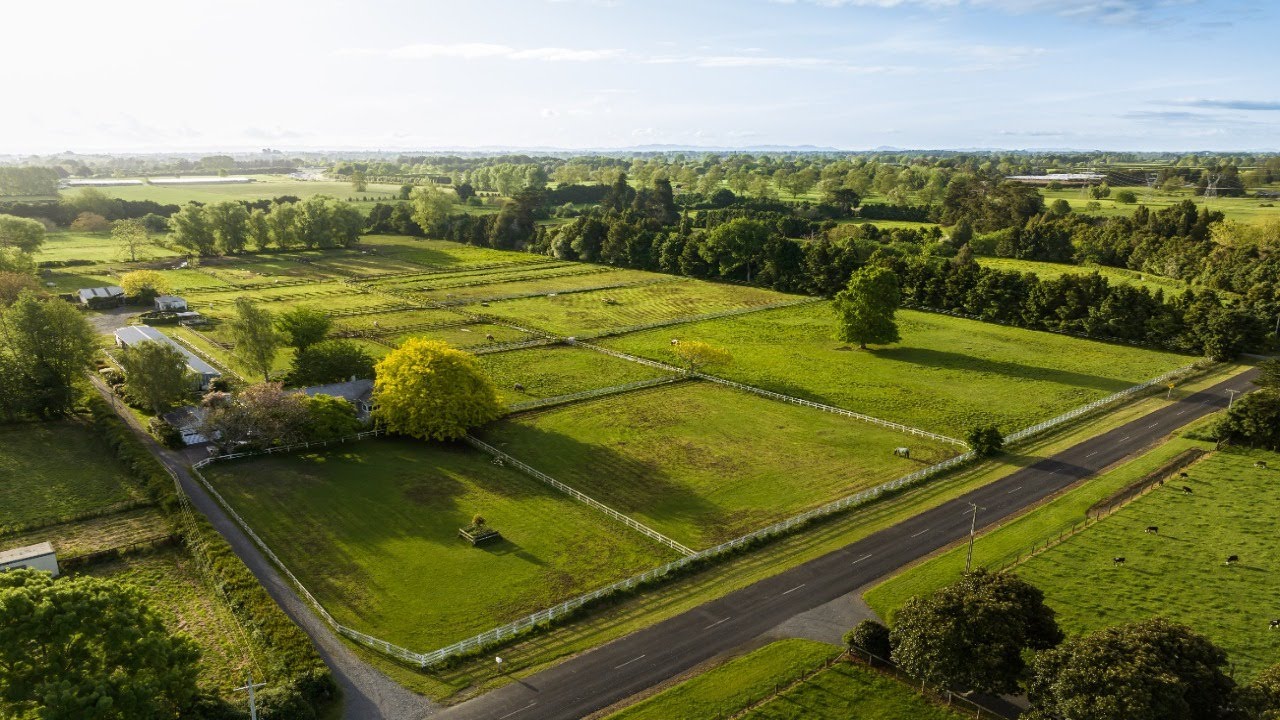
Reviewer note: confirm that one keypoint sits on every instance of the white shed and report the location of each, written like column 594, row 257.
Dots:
column 37, row 557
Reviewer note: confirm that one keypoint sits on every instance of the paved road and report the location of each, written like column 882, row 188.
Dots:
column 367, row 693
column 613, row 672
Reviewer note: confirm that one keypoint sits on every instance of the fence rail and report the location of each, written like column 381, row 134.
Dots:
column 781, row 397
column 1070, row 415
column 698, row 318
column 937, row 693
column 542, row 617
column 592, row 394
column 580, row 497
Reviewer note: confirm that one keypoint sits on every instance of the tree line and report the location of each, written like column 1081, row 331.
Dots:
column 231, row 227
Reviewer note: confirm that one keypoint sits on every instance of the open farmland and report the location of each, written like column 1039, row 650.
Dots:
column 42, row 487
column 1179, row 573
column 947, row 375
column 92, row 247
column 592, row 313
column 1116, row 276
column 371, row 530
column 702, row 463
column 263, row 187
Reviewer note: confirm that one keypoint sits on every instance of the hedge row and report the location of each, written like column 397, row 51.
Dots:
column 300, row 685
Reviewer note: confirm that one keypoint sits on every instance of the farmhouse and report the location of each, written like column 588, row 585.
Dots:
column 100, row 297
column 134, row 334
column 356, row 392
column 188, row 421
column 170, row 303
column 37, row 557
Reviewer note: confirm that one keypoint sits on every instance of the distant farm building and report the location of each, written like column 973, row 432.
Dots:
column 1086, row 178
column 37, row 557
column 134, row 334
column 356, row 392
column 100, row 297
column 170, row 303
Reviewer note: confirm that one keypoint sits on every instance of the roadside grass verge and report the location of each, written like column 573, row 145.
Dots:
column 849, row 690
column 947, row 375
column 735, row 685
column 554, row 370
column 702, row 463
column 371, row 529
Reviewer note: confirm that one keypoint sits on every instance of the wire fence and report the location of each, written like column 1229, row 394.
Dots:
column 697, row 318
column 936, row 693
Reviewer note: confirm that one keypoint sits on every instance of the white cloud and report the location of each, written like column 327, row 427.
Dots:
column 1111, row 11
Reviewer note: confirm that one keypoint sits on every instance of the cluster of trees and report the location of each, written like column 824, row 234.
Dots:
column 64, row 211
column 227, row 228
column 28, row 180
column 20, row 240
column 1254, row 419
column 978, row 633
column 265, row 415
column 45, row 345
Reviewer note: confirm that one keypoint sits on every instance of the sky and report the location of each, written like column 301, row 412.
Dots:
column 136, row 76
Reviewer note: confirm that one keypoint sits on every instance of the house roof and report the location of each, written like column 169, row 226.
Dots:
column 26, row 553
column 190, row 416
column 353, row 390
column 134, row 334
column 109, row 291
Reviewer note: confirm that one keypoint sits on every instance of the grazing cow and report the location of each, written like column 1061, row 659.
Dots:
column 1117, row 561
column 1186, row 490
column 519, row 387
column 1260, row 464
column 489, row 337
column 1275, row 624
column 1233, row 559
column 1182, row 474
column 1153, row 529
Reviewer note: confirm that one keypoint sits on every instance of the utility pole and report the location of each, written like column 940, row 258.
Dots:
column 253, row 706
column 973, row 527
column 1232, row 401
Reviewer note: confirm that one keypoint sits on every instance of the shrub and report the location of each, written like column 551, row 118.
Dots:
column 871, row 636
column 167, row 434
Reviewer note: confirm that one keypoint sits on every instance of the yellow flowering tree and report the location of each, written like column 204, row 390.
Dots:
column 426, row 389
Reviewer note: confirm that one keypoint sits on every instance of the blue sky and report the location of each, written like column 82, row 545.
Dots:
column 855, row 74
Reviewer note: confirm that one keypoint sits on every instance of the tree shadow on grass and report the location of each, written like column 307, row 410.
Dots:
column 960, row 362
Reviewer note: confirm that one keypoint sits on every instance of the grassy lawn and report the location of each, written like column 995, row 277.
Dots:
column 371, row 529
column 947, row 375
column 727, row 689
column 702, row 463
column 444, row 254
column 558, row 370
column 1002, row 545
column 263, row 187
column 1243, row 209
column 589, row 313
column 56, row 470
column 1179, row 573
column 465, row 337
column 444, row 291
column 1116, row 276
column 848, row 690
column 178, row 592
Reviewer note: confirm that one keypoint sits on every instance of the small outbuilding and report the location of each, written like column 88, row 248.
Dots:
column 170, row 303
column 189, row 421
column 37, row 557
column 101, row 297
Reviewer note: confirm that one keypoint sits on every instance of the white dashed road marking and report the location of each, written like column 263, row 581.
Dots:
column 715, row 623
column 514, row 712
column 619, row 667
column 864, row 557
column 795, row 588
column 924, row 531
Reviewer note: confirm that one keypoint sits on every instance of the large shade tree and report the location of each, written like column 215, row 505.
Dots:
column 866, row 308
column 45, row 344
column 428, row 390
column 257, row 340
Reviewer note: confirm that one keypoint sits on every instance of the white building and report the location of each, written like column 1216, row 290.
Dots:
column 133, row 334
column 37, row 557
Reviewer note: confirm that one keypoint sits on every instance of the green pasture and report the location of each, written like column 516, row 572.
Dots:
column 94, row 534
column 264, row 187
column 947, row 375
column 92, row 247
column 444, row 254
column 53, row 471
column 734, row 686
column 395, row 320
column 1116, row 276
column 430, row 278
column 547, row 285
column 1241, row 209
column 464, row 336
column 555, row 370
column 1180, row 573
column 703, row 463
column 371, row 529
column 68, row 280
column 589, row 313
